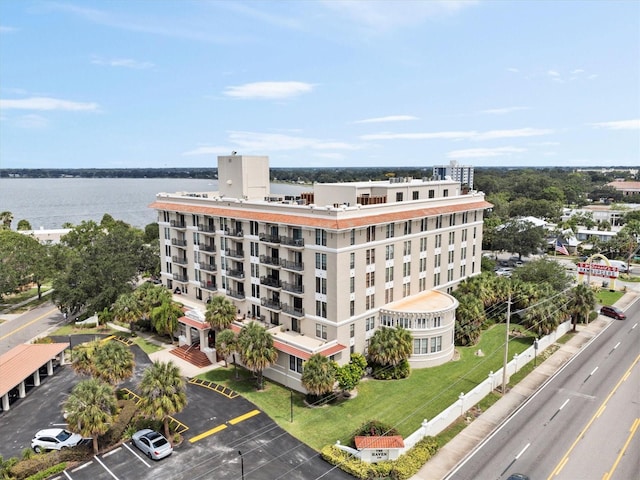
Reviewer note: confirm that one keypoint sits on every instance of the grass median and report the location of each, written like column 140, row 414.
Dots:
column 401, row 403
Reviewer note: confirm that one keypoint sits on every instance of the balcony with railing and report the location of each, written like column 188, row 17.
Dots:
column 234, row 233
column 270, row 282
column 179, row 260
column 264, row 237
column 289, row 265
column 179, row 242
column 236, row 274
column 293, row 311
column 233, row 253
column 293, row 288
column 270, row 304
column 209, row 267
column 206, row 247
column 292, row 242
column 267, row 260
column 180, row 278
column 208, row 286
column 204, row 228
column 178, row 224
column 235, row 293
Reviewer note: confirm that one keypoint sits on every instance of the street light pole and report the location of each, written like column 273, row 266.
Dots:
column 506, row 347
column 241, row 464
column 535, row 351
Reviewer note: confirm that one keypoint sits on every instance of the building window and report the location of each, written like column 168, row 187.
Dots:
column 370, row 323
column 391, row 230
column 370, row 255
column 452, row 220
column 370, row 302
column 438, row 221
column 424, row 224
column 352, row 285
column 388, row 252
column 436, row 279
column 295, row 364
column 463, row 270
column 474, row 232
column 406, row 290
column 398, row 196
column 437, row 322
column 406, row 269
column 465, row 217
column 445, row 192
column 167, row 233
column 438, row 241
column 352, row 308
column 321, row 261
column 321, row 331
column 388, row 274
column 407, row 227
column 423, row 265
column 352, row 330
column 415, row 195
column 436, row 344
column 464, row 235
column 437, row 260
column 407, row 248
column 423, row 244
column 388, row 295
column 321, row 285
column 352, row 238
column 450, row 275
column 253, row 227
column 371, row 234
column 422, row 284
column 352, row 260
column 321, row 237
column 463, row 253
column 420, row 346
column 370, row 279
column 321, row 310
column 255, row 251
column 450, row 256
column 432, row 193
column 452, row 238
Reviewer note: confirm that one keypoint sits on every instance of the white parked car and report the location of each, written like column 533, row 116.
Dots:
column 54, row 439
column 504, row 271
column 152, row 444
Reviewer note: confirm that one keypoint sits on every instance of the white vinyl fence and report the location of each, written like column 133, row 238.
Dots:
column 467, row 400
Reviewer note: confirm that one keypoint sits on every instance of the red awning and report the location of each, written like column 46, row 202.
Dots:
column 391, row 441
column 194, row 323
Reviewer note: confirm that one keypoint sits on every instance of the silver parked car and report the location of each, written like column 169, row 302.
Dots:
column 54, row 439
column 152, row 444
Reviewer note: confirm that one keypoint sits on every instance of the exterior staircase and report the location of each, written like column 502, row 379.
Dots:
column 192, row 354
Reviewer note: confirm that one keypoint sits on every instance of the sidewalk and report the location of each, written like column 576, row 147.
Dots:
column 462, row 445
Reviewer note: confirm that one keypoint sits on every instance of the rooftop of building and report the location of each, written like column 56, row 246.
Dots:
column 427, row 301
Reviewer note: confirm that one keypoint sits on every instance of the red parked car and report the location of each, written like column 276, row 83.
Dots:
column 613, row 312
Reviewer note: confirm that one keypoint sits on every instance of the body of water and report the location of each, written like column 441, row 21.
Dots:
column 51, row 202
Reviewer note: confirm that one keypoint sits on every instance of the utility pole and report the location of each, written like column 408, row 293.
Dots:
column 506, row 347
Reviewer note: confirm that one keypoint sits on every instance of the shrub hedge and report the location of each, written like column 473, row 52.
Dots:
column 401, row 469
column 128, row 409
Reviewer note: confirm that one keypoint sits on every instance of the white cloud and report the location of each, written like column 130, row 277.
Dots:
column 32, row 121
column 619, row 125
column 269, row 90
column 7, row 29
column 46, row 103
column 484, row 152
column 503, row 111
column 553, row 73
column 513, row 70
column 386, row 16
column 390, row 118
column 577, row 71
column 121, row 62
column 255, row 142
column 459, row 135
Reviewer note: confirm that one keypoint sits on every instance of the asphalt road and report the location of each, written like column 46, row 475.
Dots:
column 578, row 425
column 23, row 328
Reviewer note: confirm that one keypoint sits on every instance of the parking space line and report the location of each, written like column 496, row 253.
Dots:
column 241, row 418
column 207, row 433
column 179, row 426
column 111, row 452
column 221, row 389
column 136, row 454
column 137, row 397
column 106, row 339
column 124, row 340
column 105, row 467
column 84, row 465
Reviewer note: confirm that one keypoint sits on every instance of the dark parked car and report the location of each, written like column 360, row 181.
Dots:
column 613, row 312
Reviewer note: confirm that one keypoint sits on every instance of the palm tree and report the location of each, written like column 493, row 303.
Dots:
column 255, row 345
column 221, row 313
column 164, row 318
column 390, row 346
column 318, row 375
column 113, row 362
column 163, row 393
column 82, row 358
column 225, row 344
column 126, row 308
column 5, row 220
column 581, row 301
column 91, row 408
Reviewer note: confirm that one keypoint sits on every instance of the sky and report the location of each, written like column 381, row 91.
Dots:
column 175, row 83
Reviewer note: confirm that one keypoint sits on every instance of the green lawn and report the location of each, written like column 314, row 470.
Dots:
column 147, row 347
column 402, row 403
column 70, row 329
column 606, row 297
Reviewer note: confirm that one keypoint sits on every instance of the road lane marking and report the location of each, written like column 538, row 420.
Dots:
column 564, row 404
column 207, row 433
column 589, row 376
column 136, row 454
column 562, row 463
column 105, row 467
column 632, row 430
column 244, row 417
column 522, row 451
column 557, row 411
column 28, row 323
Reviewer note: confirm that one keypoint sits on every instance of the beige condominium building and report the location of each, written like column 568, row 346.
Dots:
column 323, row 270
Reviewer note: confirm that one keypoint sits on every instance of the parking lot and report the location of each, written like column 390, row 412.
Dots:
column 216, row 425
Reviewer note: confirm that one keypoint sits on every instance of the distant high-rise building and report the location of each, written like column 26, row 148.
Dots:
column 322, row 271
column 458, row 173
